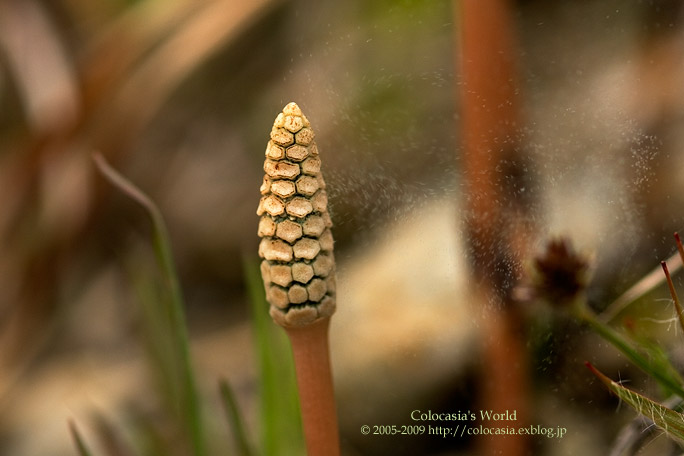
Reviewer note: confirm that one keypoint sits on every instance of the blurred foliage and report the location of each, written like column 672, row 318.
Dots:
column 168, row 343
column 179, row 95
column 80, row 444
column 280, row 424
column 165, row 324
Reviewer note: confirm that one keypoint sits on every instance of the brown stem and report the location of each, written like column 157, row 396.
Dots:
column 505, row 384
column 314, row 381
column 489, row 115
column 495, row 170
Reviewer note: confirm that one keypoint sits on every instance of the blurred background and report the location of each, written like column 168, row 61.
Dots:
column 180, row 95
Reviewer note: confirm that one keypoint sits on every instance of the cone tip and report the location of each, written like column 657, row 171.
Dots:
column 291, row 109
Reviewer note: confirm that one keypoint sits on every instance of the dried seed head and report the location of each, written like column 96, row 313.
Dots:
column 559, row 275
column 298, row 265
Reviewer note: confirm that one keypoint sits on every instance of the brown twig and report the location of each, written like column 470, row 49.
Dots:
column 673, row 293
column 650, row 281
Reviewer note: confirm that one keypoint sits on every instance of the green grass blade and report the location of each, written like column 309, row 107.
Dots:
column 668, row 420
column 82, row 448
column 658, row 357
column 190, row 405
column 235, row 419
column 156, row 338
column 664, row 378
column 281, row 423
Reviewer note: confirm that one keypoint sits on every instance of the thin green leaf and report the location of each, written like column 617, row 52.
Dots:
column 157, row 339
column 280, row 417
column 190, row 405
column 657, row 356
column 82, row 448
column 235, row 419
column 665, row 378
column 666, row 419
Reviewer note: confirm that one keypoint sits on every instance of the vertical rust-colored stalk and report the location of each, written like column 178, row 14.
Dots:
column 298, row 268
column 489, row 111
column 314, row 381
column 495, row 177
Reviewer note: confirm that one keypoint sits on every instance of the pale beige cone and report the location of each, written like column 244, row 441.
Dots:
column 296, row 246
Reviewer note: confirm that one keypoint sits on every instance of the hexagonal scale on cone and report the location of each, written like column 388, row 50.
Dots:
column 283, row 188
column 289, row 231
